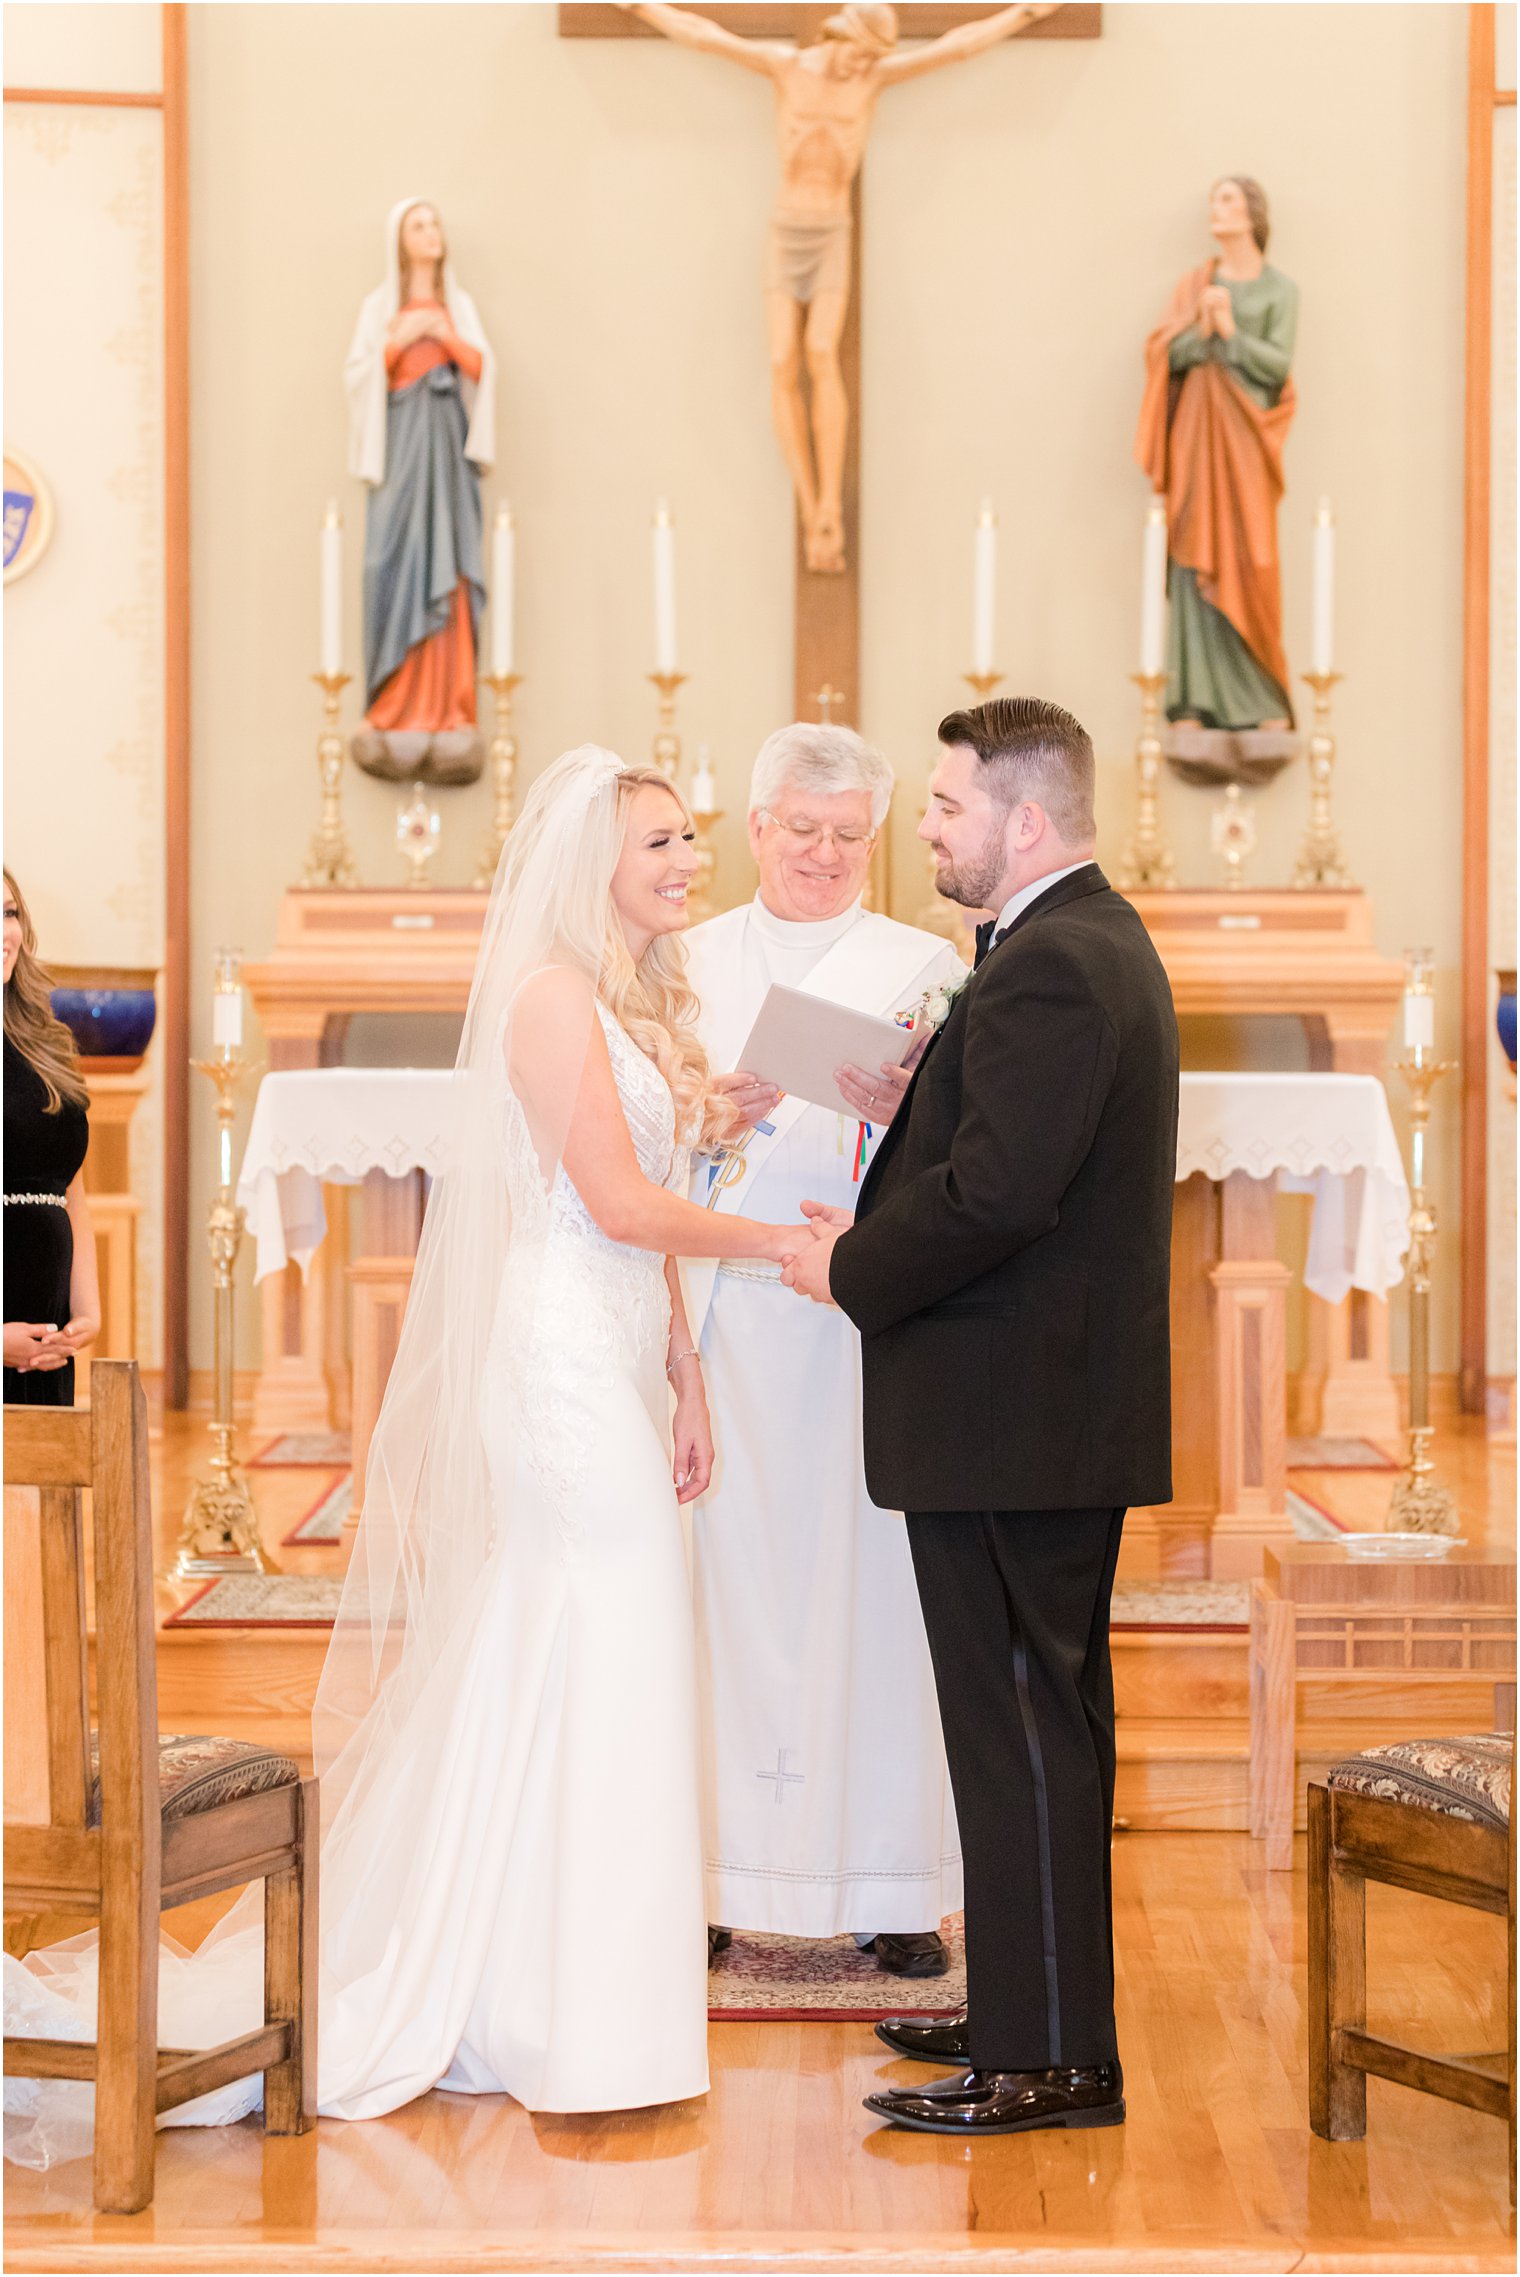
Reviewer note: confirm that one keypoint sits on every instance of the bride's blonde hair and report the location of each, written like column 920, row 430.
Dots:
column 649, row 998
column 656, row 1004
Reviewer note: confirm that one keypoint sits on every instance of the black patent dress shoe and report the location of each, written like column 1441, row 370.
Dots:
column 911, row 1953
column 927, row 2039
column 1007, row 2102
column 718, row 1941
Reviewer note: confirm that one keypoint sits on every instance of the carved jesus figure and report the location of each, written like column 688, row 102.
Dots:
column 825, row 98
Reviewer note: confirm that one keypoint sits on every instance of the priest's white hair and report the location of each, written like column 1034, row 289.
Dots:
column 811, row 757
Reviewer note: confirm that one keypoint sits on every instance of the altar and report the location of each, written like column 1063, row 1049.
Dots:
column 1241, row 1138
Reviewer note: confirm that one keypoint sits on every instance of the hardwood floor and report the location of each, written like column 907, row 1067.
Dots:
column 781, row 2168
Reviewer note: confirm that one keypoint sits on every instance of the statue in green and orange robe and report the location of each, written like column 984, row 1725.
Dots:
column 1217, row 407
column 421, row 386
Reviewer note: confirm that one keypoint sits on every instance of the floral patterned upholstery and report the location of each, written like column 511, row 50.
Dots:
column 1464, row 1778
column 196, row 1774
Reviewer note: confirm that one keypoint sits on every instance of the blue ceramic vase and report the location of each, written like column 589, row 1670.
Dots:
column 110, row 1013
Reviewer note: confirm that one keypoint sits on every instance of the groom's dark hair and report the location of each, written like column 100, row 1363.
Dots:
column 1032, row 750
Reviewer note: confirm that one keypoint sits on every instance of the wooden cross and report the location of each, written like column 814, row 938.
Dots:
column 826, row 654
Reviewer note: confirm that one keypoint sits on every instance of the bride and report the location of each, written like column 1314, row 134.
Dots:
column 511, row 1870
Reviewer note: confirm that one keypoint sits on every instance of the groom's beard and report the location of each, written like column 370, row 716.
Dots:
column 975, row 881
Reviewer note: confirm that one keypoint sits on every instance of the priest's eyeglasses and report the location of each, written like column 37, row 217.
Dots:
column 814, row 833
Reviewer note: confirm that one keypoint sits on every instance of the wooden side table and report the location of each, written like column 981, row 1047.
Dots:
column 1369, row 1625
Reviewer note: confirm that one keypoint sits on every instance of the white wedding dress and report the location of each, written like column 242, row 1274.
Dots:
column 548, row 1935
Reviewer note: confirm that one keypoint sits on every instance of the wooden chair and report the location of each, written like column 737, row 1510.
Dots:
column 130, row 1823
column 1433, row 1816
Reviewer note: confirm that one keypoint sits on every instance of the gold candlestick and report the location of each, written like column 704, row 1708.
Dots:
column 1321, row 861
column 503, row 758
column 331, row 859
column 220, row 1530
column 1148, row 858
column 667, row 744
column 699, row 900
column 1420, row 1504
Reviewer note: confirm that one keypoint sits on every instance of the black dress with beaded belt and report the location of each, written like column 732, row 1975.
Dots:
column 43, row 1156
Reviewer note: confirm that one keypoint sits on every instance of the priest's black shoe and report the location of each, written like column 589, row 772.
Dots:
column 927, row 2039
column 911, row 1953
column 1007, row 2102
column 718, row 1941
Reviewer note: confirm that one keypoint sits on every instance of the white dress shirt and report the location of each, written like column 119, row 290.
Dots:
column 1032, row 892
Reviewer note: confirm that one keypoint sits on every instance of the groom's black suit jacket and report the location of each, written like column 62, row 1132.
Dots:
column 1009, row 1265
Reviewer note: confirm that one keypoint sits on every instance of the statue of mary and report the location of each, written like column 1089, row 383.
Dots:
column 421, row 389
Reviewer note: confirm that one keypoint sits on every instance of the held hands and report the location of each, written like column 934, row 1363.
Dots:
column 808, row 1271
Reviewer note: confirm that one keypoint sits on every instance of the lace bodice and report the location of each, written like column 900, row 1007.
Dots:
column 578, row 1307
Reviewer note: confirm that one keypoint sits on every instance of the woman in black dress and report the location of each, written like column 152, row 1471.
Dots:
column 52, row 1285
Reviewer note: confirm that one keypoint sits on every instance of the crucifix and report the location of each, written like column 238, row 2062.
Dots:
column 828, row 68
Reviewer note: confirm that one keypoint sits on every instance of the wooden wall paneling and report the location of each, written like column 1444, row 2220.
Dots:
column 176, row 1004
column 1475, row 1043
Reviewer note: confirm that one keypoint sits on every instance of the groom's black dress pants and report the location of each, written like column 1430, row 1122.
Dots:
column 1016, row 1606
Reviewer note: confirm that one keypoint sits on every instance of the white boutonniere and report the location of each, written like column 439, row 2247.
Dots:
column 934, row 1007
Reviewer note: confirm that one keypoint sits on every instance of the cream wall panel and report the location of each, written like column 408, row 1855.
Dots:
column 1025, row 218
column 110, row 46
column 83, row 709
column 1502, row 737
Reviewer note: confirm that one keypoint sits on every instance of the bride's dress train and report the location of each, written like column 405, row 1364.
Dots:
column 543, row 1929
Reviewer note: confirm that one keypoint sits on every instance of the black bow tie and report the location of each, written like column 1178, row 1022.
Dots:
column 986, row 935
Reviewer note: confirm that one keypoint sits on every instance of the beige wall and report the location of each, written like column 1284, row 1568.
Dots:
column 1024, row 220
column 84, row 629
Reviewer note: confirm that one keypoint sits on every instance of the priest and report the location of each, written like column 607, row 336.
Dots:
column 827, row 1802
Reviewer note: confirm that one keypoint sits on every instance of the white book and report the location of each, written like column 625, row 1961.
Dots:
column 798, row 1041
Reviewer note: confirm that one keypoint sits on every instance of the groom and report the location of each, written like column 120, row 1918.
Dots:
column 1008, row 1272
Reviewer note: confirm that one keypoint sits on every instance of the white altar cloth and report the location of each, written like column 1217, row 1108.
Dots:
column 1326, row 1135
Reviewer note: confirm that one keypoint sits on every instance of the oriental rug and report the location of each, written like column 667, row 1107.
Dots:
column 324, row 1522
column 825, row 1980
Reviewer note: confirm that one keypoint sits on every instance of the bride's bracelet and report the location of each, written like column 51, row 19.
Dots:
column 691, row 1353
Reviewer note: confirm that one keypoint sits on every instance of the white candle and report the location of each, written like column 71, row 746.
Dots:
column 1419, row 1020
column 1153, row 591
column 984, row 589
column 332, row 591
column 704, row 788
column 1324, row 589
column 227, row 1018
column 664, row 590
column 503, row 580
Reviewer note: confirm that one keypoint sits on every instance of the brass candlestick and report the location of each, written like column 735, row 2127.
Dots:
column 1321, row 861
column 503, row 757
column 699, row 898
column 1420, row 1505
column 331, row 859
column 1148, row 858
column 220, row 1532
column 667, row 744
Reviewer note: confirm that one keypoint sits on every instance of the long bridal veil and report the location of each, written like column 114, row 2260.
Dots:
column 430, row 1516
